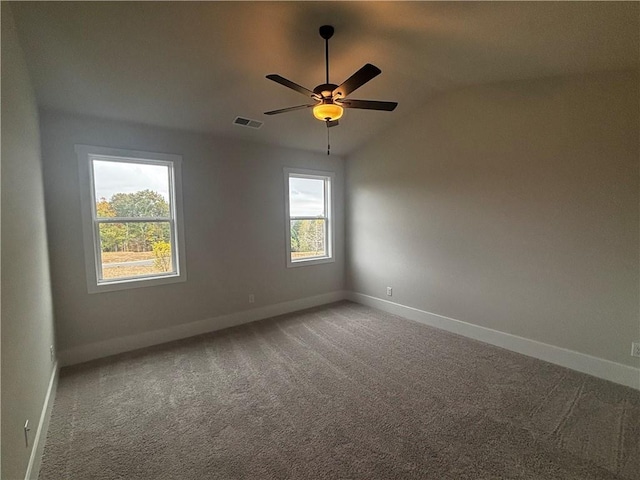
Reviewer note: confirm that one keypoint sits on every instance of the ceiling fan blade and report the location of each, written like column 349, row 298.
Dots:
column 369, row 104
column 291, row 85
column 289, row 109
column 356, row 80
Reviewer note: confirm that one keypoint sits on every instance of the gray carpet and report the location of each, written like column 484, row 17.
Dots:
column 338, row 392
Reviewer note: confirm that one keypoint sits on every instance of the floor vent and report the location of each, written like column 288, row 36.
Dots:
column 247, row 122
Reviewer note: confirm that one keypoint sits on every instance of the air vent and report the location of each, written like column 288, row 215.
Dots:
column 247, row 122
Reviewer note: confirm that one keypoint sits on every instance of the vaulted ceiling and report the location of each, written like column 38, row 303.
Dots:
column 198, row 65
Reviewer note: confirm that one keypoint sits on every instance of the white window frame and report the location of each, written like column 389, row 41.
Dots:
column 90, row 223
column 328, row 178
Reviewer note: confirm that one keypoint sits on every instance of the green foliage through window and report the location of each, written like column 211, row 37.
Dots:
column 308, row 237
column 133, row 236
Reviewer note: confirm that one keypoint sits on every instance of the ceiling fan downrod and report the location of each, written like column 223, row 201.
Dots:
column 326, row 32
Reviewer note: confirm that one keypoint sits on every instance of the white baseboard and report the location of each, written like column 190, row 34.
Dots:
column 598, row 367
column 35, row 459
column 114, row 346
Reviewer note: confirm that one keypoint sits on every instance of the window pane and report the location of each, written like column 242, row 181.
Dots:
column 129, row 250
column 306, row 197
column 308, row 239
column 131, row 189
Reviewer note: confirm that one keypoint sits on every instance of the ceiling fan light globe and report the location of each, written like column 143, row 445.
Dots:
column 328, row 112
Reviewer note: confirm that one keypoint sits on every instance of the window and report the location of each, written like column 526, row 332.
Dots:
column 132, row 218
column 309, row 231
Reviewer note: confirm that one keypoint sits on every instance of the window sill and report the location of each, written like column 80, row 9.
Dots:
column 127, row 284
column 311, row 261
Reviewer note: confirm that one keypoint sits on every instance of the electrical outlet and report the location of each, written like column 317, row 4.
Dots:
column 51, row 352
column 635, row 349
column 389, row 291
column 252, row 298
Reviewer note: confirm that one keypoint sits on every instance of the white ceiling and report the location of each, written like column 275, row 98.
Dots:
column 196, row 66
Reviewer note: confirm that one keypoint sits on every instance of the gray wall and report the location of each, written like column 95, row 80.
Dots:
column 27, row 320
column 234, row 226
column 512, row 206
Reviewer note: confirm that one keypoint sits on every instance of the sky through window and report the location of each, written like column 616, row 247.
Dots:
column 306, row 197
column 118, row 177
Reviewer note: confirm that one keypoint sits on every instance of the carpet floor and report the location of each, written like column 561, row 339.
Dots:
column 337, row 392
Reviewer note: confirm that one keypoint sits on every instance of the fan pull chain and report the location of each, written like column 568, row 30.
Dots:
column 328, row 144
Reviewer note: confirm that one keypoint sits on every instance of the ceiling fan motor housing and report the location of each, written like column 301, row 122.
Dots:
column 325, row 90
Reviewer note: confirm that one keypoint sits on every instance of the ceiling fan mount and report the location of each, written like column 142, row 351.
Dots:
column 330, row 99
column 326, row 31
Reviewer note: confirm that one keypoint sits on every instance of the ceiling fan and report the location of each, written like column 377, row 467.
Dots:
column 330, row 99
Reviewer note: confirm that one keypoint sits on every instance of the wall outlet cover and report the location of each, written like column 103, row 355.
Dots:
column 635, row 349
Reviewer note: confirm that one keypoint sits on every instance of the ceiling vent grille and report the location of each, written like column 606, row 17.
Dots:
column 247, row 122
